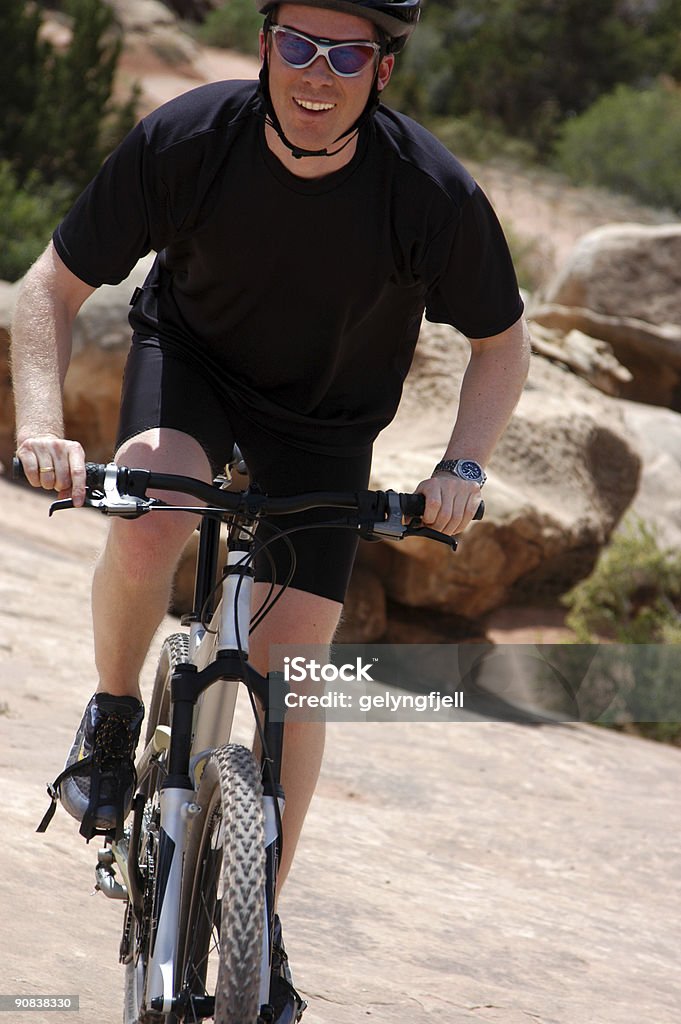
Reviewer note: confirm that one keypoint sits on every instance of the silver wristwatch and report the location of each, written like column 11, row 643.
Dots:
column 466, row 469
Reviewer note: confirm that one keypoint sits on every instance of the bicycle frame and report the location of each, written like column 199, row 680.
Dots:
column 202, row 716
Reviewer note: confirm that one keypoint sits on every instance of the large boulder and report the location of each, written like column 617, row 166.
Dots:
column 628, row 270
column 622, row 285
column 561, row 478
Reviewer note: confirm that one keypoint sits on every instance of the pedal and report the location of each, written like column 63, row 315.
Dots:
column 105, row 876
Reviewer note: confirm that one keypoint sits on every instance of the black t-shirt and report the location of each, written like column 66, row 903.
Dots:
column 302, row 298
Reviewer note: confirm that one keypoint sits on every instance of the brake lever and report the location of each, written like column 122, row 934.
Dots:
column 416, row 529
column 58, row 506
column 129, row 510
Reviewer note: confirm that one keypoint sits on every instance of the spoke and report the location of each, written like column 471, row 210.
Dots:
column 206, row 927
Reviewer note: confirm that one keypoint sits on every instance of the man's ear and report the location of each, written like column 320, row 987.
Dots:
column 385, row 70
column 262, row 45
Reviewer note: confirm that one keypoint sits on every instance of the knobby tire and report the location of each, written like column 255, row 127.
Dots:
column 224, row 897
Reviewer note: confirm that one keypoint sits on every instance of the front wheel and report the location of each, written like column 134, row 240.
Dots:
column 223, row 898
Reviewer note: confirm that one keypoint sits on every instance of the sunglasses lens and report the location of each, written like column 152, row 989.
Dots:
column 298, row 52
column 294, row 49
column 350, row 60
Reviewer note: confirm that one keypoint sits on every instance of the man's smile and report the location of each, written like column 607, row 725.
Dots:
column 313, row 104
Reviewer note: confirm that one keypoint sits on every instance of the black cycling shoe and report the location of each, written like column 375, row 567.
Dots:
column 288, row 1005
column 98, row 781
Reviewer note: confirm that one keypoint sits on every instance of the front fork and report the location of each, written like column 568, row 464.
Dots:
column 178, row 807
column 272, row 855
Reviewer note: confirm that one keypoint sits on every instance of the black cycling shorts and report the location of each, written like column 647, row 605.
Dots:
column 165, row 388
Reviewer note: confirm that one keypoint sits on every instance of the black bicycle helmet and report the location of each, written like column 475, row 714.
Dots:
column 396, row 18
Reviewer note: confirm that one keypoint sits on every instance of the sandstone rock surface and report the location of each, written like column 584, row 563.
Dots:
column 658, row 440
column 622, row 284
column 590, row 358
column 562, row 476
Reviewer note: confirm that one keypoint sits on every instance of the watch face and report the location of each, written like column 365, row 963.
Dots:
column 469, row 470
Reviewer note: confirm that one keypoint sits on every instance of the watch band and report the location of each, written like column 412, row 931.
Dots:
column 477, row 475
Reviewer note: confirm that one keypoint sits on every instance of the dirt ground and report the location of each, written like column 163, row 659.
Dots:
column 477, row 871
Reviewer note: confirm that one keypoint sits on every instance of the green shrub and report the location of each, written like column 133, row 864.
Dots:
column 633, row 597
column 475, row 137
column 634, row 593
column 629, row 141
column 57, row 119
column 28, row 214
column 234, row 26
column 56, row 112
column 528, row 65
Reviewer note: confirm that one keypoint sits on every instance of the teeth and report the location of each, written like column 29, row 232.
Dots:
column 307, row 105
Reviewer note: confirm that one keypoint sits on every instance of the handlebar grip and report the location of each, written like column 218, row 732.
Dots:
column 94, row 473
column 414, row 505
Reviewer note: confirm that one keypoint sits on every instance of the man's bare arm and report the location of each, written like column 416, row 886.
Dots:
column 490, row 389
column 49, row 299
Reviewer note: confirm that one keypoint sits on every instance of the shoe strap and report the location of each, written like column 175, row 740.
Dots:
column 54, row 790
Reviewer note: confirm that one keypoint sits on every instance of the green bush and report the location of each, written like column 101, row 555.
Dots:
column 56, row 114
column 629, row 141
column 57, row 120
column 28, row 214
column 633, row 597
column 234, row 26
column 477, row 138
column 528, row 65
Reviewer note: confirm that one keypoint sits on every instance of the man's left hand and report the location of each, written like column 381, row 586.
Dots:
column 451, row 502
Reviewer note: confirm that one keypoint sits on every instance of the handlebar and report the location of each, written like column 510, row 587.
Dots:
column 122, row 491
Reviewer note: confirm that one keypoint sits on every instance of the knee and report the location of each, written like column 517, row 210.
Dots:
column 143, row 548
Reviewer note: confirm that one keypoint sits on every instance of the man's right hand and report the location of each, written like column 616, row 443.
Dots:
column 55, row 464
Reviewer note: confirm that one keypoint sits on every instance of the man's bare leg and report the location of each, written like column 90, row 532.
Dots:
column 131, row 592
column 298, row 618
column 133, row 577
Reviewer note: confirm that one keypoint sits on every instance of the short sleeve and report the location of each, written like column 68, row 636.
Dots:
column 472, row 284
column 116, row 220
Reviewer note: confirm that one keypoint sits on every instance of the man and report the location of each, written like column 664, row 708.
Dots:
column 302, row 229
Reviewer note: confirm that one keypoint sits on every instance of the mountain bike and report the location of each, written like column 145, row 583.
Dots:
column 197, row 864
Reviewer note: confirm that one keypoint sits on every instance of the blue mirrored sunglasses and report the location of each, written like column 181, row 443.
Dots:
column 299, row 50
